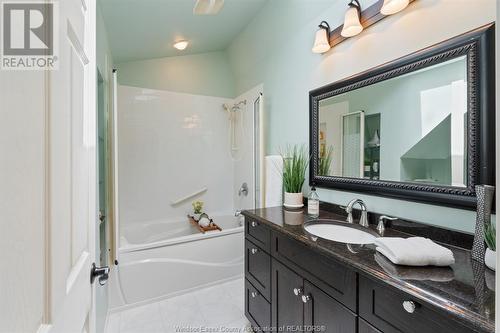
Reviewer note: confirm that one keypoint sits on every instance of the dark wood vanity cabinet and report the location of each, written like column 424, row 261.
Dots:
column 289, row 286
column 297, row 303
column 393, row 311
column 321, row 310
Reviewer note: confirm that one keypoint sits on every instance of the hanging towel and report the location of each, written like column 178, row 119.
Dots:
column 414, row 251
column 274, row 181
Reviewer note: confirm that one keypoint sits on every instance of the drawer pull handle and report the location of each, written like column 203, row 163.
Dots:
column 254, row 224
column 254, row 250
column 254, row 294
column 297, row 291
column 409, row 306
column 306, row 298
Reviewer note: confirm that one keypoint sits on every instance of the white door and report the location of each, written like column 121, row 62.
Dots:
column 72, row 171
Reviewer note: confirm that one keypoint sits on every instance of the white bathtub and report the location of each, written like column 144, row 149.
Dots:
column 159, row 259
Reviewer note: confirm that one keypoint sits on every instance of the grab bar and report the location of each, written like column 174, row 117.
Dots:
column 203, row 190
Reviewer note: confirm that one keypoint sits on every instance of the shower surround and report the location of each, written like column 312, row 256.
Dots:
column 172, row 145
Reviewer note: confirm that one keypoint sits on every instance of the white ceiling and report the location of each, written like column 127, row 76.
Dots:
column 145, row 29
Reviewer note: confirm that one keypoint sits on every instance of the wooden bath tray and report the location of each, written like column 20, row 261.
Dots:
column 211, row 227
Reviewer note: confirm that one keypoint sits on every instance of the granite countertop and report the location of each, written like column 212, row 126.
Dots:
column 464, row 290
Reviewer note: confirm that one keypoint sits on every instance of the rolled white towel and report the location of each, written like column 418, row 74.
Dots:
column 204, row 222
column 414, row 251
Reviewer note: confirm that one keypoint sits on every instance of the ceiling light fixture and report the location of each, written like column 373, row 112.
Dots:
column 352, row 24
column 322, row 40
column 393, row 6
column 181, row 45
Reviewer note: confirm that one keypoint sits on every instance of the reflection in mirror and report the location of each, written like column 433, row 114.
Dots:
column 410, row 128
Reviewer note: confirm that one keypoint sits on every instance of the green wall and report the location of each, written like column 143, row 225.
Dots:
column 201, row 74
column 275, row 49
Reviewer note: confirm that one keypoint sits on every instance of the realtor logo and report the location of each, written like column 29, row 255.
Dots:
column 28, row 35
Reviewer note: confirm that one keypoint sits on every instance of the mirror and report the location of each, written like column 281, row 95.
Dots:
column 419, row 128
column 411, row 128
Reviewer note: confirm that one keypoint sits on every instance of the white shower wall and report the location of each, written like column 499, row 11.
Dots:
column 169, row 146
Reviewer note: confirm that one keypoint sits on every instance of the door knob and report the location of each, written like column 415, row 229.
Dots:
column 306, row 298
column 254, row 251
column 253, row 294
column 99, row 272
column 409, row 306
column 297, row 291
column 254, row 224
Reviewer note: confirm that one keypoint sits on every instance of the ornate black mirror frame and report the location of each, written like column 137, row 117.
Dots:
column 479, row 48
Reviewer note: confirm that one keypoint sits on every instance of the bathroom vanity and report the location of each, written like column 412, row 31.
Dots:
column 294, row 281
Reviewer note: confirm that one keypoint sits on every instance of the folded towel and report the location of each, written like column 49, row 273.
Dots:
column 437, row 274
column 414, row 251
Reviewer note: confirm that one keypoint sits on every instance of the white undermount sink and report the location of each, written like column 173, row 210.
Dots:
column 340, row 232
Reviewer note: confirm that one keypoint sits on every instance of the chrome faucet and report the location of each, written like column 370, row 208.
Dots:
column 363, row 221
column 381, row 224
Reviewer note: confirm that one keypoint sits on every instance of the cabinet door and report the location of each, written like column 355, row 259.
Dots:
column 257, row 309
column 287, row 307
column 325, row 313
column 257, row 268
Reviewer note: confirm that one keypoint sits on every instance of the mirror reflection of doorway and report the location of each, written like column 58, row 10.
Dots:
column 353, row 141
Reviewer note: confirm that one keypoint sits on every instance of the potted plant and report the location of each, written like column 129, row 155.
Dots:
column 325, row 162
column 198, row 209
column 491, row 253
column 295, row 162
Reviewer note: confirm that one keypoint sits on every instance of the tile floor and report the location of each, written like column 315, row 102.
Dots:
column 218, row 308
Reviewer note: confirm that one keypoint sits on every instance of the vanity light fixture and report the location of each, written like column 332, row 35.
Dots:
column 393, row 6
column 322, row 40
column 355, row 21
column 181, row 45
column 352, row 23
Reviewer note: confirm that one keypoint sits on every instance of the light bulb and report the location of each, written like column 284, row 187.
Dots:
column 181, row 45
column 321, row 42
column 393, row 6
column 352, row 25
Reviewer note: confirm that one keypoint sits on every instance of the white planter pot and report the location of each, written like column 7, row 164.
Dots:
column 490, row 259
column 294, row 200
column 293, row 217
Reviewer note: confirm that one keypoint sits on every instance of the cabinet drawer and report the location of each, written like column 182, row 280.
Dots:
column 364, row 327
column 329, row 275
column 258, row 268
column 257, row 308
column 260, row 234
column 382, row 307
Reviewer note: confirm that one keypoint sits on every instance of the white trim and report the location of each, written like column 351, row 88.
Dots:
column 116, row 207
column 46, row 313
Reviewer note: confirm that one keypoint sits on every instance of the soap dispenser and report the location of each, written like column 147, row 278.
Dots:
column 313, row 203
